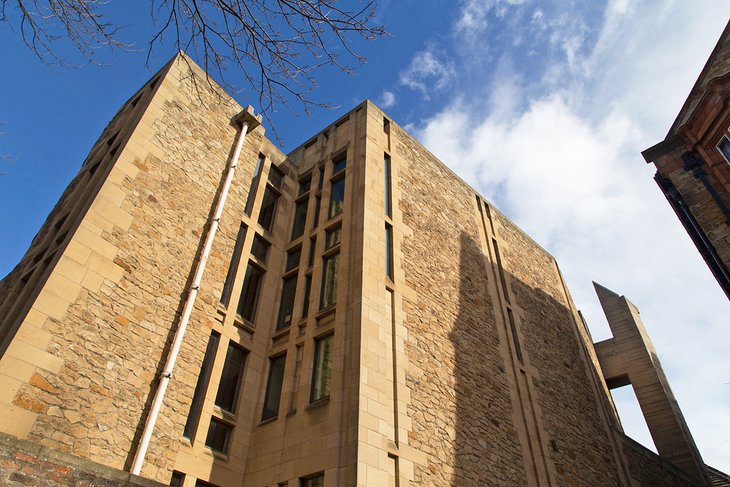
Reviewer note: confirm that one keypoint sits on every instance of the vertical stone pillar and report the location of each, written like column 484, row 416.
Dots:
column 629, row 358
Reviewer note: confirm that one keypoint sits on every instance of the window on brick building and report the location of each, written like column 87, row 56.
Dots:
column 329, row 281
column 230, row 383
column 254, row 184
column 201, row 386
column 388, row 190
column 724, row 147
column 322, row 370
column 332, row 237
column 300, row 218
column 268, row 208
column 337, row 197
column 389, row 251
column 286, row 309
column 292, row 258
column 235, row 258
column 260, row 248
column 313, row 481
column 219, row 435
column 273, row 387
column 250, row 292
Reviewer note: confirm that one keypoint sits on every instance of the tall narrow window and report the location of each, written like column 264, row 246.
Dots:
column 254, row 184
column 273, row 387
column 219, row 435
column 337, row 197
column 389, row 251
column 286, row 309
column 300, row 217
column 320, row 182
column 200, row 387
column 235, row 258
column 724, row 147
column 322, row 371
column 230, row 384
column 312, row 248
column 276, row 176
column 307, row 291
column 268, row 208
column 177, row 479
column 305, row 184
column 388, row 186
column 329, row 282
column 250, row 292
column 317, row 204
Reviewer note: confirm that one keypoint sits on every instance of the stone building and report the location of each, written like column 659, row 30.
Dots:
column 693, row 163
column 364, row 318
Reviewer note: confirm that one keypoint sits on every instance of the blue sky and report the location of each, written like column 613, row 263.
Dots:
column 542, row 106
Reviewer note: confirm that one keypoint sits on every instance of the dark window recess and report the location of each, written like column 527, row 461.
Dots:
column 286, row 309
column 254, row 184
column 322, row 370
column 230, row 384
column 305, row 184
column 276, row 176
column 386, row 125
column 502, row 277
column 337, row 197
column 200, row 387
column 388, row 186
column 329, row 282
column 312, row 248
column 177, row 479
column 317, row 204
column 339, row 165
column 203, row 483
column 219, row 435
column 260, row 248
column 235, row 258
column 300, row 218
column 389, row 251
column 292, row 258
column 250, row 292
column 317, row 481
column 333, row 237
column 320, row 183
column 515, row 338
column 268, row 208
column 307, row 291
column 273, row 387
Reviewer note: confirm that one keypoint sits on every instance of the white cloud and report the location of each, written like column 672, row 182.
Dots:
column 387, row 99
column 564, row 162
column 428, row 71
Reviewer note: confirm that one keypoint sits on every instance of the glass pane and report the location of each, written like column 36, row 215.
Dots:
column 292, row 258
column 286, row 310
column 320, row 183
column 235, row 258
column 300, row 218
column 333, row 237
column 389, row 251
column 249, row 293
column 219, row 435
column 273, row 388
column 724, row 148
column 388, row 190
column 268, row 208
column 260, row 248
column 339, row 165
column 307, row 291
column 230, row 384
column 337, row 197
column 329, row 282
column 317, row 204
column 177, row 479
column 201, row 386
column 322, row 374
column 312, row 247
column 317, row 481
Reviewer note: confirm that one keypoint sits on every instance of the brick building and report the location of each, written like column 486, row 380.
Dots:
column 693, row 163
column 364, row 318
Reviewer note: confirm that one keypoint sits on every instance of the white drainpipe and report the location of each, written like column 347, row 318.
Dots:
column 248, row 121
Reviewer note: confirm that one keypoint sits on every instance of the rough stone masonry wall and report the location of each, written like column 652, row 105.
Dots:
column 460, row 400
column 23, row 463
column 579, row 443
column 111, row 342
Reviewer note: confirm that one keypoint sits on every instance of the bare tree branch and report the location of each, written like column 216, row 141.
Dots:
column 272, row 47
